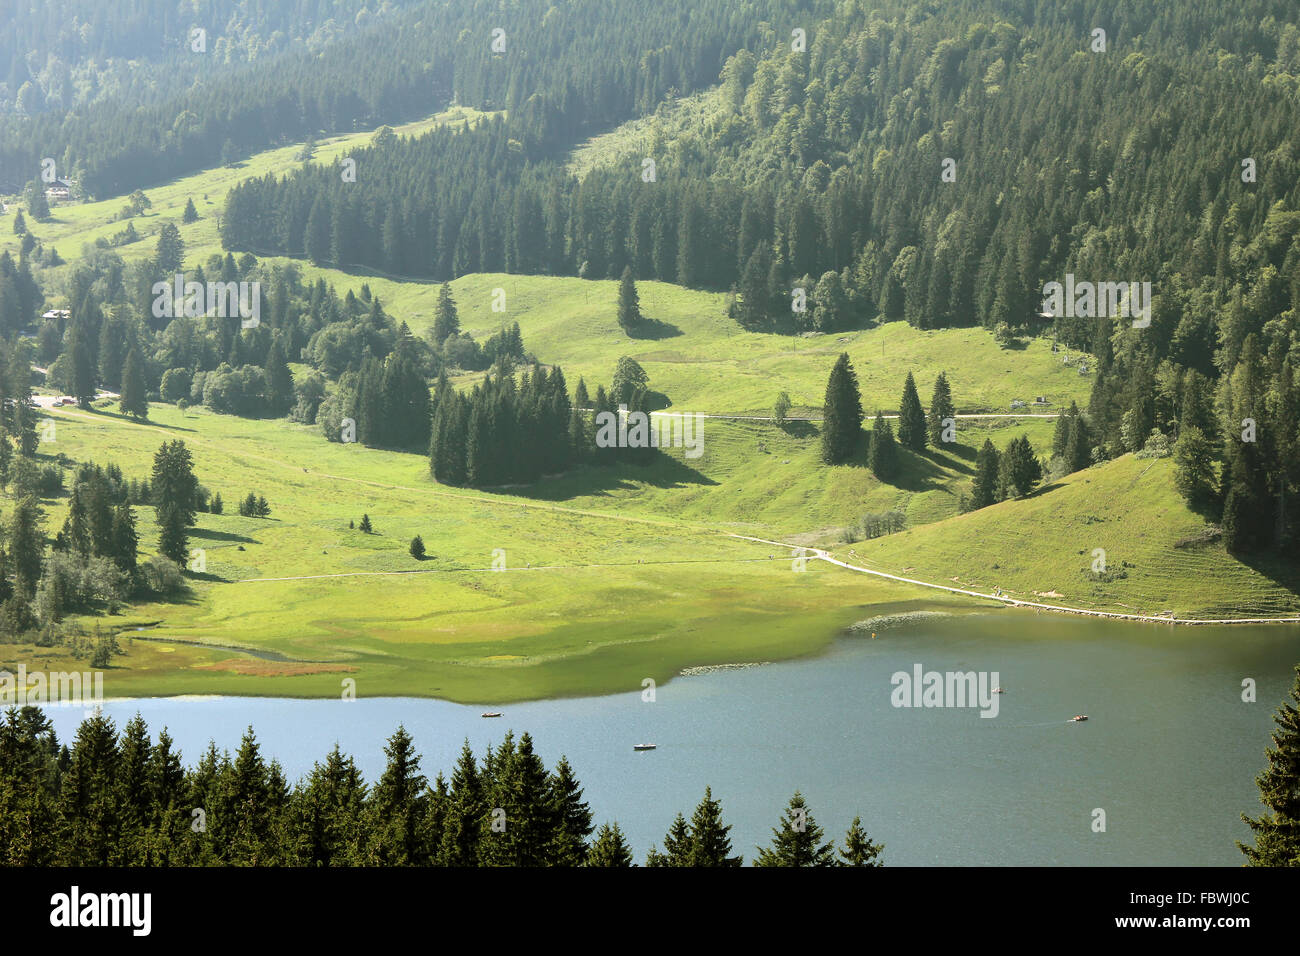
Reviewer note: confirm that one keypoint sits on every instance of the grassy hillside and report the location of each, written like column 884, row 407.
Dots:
column 599, row 592
column 705, row 362
column 1041, row 549
column 702, row 360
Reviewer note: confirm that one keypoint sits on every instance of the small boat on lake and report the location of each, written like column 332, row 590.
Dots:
column 643, row 747
column 998, row 690
column 490, row 713
column 1077, row 717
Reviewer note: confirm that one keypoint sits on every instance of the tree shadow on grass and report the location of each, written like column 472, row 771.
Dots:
column 118, row 416
column 1278, row 568
column 654, row 329
column 207, row 534
column 799, row 429
column 602, row 478
column 205, row 576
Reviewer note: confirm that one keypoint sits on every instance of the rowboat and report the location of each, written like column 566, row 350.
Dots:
column 643, row 747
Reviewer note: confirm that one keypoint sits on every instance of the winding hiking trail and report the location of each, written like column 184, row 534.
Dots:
column 823, row 555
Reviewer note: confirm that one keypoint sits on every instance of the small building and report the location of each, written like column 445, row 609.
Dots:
column 54, row 315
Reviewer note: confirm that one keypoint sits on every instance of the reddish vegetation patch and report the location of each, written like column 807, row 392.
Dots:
column 259, row 668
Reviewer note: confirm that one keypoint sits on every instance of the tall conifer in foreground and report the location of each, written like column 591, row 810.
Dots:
column 858, row 848
column 709, row 843
column 609, row 848
column 842, row 411
column 984, row 492
column 798, row 841
column 1277, row 830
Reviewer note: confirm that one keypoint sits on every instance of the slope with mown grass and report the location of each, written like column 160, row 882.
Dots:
column 1158, row 557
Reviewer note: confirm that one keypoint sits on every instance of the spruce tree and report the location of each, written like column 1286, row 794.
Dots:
column 629, row 303
column 609, row 848
column 984, row 492
column 417, row 548
column 279, row 380
column 941, row 407
column 134, row 401
column 709, row 843
column 446, row 321
column 190, row 214
column 1277, row 830
column 173, row 536
column 125, row 539
column 911, row 418
column 365, row 524
column 842, row 413
column 798, row 841
column 170, row 250
column 571, row 816
column 882, row 457
column 173, row 483
column 858, row 848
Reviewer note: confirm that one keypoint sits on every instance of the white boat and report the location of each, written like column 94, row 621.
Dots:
column 490, row 713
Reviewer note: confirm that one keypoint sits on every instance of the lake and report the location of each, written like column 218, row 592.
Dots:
column 1169, row 753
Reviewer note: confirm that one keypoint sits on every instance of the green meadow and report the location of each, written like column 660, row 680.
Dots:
column 703, row 361
column 606, row 580
column 1157, row 558
column 592, row 581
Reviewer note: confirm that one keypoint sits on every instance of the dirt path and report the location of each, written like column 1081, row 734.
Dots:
column 1016, row 602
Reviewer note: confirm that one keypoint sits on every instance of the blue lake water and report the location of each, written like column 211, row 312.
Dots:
column 1170, row 751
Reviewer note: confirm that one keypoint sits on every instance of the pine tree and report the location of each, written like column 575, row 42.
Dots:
column 134, row 401
column 629, row 303
column 941, row 407
column 609, row 848
column 798, row 840
column 396, row 806
column 417, row 548
column 446, row 321
column 1277, row 830
column 882, row 456
column 677, row 846
column 125, row 539
column 170, row 250
column 365, row 524
column 858, row 848
column 1020, row 470
column 190, row 214
column 572, row 818
column 216, row 506
column 911, row 418
column 173, row 534
column 842, row 411
column 26, row 545
column 173, row 482
column 984, row 491
column 709, row 843
column 279, row 380
column 1078, row 453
